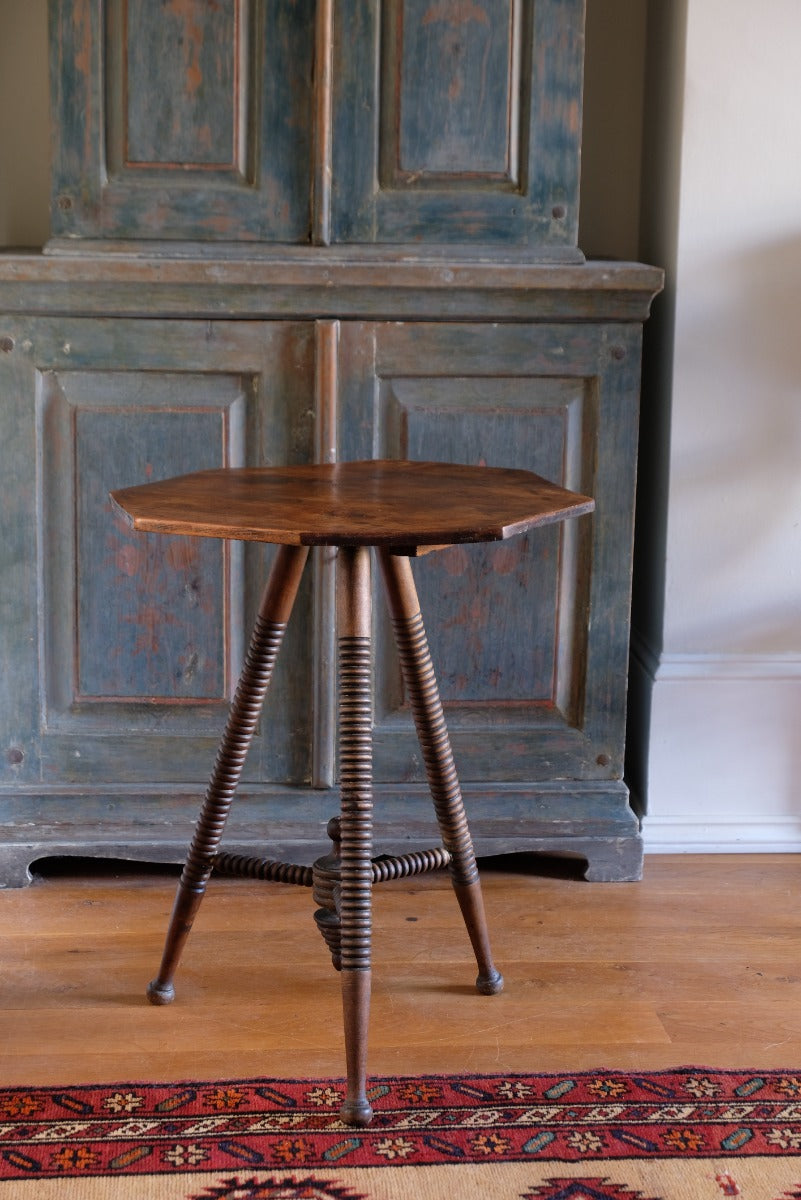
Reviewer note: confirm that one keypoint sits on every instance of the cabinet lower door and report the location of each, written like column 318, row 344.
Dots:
column 529, row 636
column 121, row 650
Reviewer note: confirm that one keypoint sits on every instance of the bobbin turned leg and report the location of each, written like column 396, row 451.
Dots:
column 326, row 874
column 356, row 818
column 276, row 605
column 432, row 732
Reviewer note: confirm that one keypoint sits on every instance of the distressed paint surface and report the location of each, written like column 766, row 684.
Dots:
column 187, row 115
column 182, row 119
column 229, row 147
column 571, row 724
column 459, row 122
column 129, row 647
column 462, row 121
column 586, row 370
column 448, row 121
column 492, row 611
column 151, row 611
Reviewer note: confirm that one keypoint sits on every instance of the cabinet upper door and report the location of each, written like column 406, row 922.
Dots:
column 289, row 121
column 182, row 119
column 458, row 121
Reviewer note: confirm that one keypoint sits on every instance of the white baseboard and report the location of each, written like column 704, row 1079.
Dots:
column 678, row 835
column 729, row 666
column 724, row 752
column 673, row 666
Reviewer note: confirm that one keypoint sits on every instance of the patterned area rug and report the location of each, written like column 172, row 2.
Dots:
column 685, row 1134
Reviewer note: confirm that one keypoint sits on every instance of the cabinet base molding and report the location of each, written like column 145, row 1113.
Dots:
column 585, row 821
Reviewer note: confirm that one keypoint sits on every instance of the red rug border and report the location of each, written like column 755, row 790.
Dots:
column 590, row 1122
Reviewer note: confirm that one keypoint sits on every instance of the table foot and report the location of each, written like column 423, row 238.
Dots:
column 356, row 1109
column 471, row 903
column 490, row 985
column 160, row 993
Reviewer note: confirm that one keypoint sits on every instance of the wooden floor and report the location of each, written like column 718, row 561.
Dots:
column 697, row 964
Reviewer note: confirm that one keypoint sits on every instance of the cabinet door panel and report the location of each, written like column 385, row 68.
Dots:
column 182, row 119
column 148, row 618
column 458, row 123
column 140, row 637
column 189, row 116
column 474, row 130
column 529, row 637
column 491, row 608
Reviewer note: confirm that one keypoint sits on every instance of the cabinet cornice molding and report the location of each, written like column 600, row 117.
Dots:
column 316, row 282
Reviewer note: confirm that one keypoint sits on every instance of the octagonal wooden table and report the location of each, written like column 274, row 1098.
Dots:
column 402, row 509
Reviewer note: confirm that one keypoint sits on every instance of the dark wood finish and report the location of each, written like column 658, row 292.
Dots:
column 356, row 818
column 371, row 503
column 432, row 732
column 273, row 615
column 269, row 870
column 325, row 882
column 355, row 506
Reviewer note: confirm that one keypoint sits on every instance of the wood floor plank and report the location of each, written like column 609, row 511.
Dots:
column 697, row 964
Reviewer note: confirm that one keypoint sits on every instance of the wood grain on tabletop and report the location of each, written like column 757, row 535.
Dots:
column 352, row 503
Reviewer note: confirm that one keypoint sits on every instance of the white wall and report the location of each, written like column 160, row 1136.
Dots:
column 724, row 758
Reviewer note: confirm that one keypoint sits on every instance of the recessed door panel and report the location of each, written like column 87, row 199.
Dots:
column 182, row 119
column 458, row 123
column 493, row 610
column 529, row 649
column 141, row 638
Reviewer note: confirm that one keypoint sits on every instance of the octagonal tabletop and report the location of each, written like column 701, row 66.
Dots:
column 374, row 503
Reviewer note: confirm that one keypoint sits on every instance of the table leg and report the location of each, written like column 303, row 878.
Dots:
column 356, row 817
column 432, row 732
column 276, row 606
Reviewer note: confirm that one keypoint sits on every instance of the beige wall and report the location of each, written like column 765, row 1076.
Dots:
column 614, row 80
column 734, row 532
column 24, row 123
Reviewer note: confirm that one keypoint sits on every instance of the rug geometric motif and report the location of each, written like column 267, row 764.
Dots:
column 277, row 1189
column 582, row 1189
column 282, row 1139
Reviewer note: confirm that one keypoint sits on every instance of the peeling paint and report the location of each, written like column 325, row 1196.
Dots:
column 456, row 12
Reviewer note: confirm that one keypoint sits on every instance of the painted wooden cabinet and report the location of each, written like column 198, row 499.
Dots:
column 376, row 121
column 188, row 313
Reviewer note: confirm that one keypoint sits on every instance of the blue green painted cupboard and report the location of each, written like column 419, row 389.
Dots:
column 286, row 231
